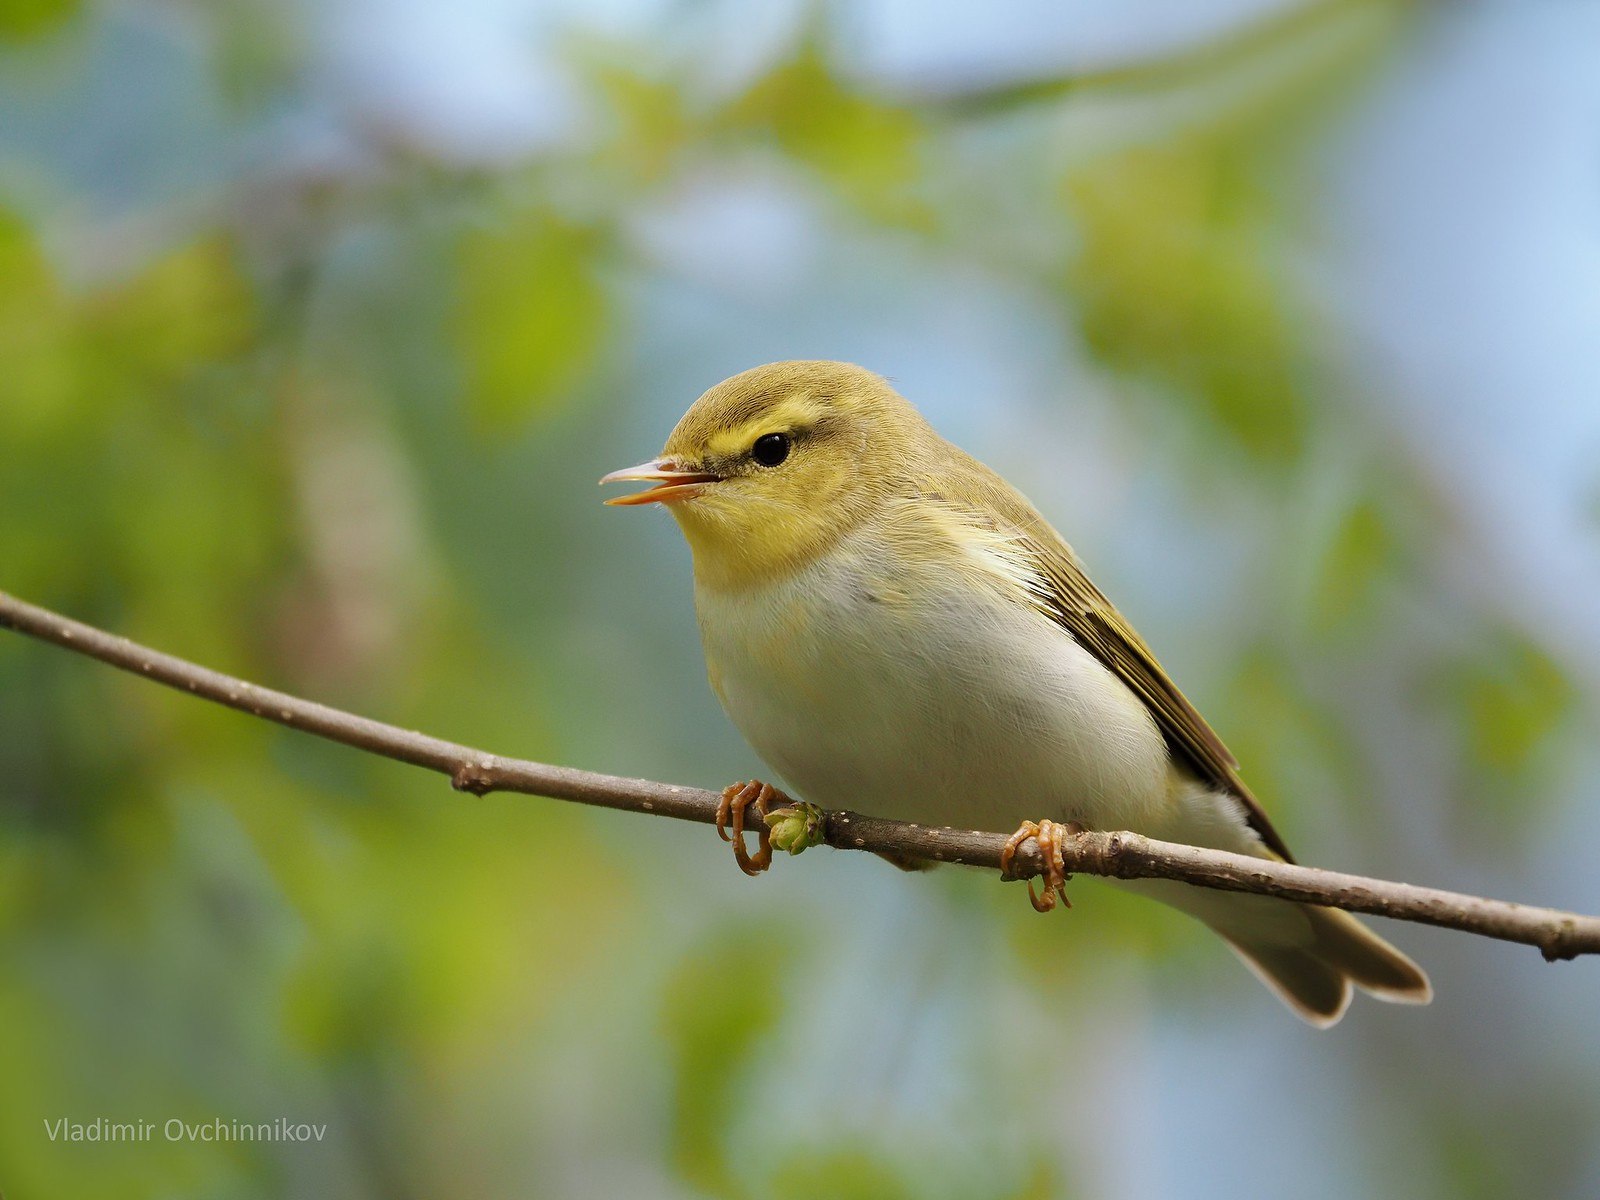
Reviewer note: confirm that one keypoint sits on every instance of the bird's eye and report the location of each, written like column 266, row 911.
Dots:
column 770, row 449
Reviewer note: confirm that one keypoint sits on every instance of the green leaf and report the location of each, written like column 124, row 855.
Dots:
column 21, row 19
column 1178, row 282
column 869, row 150
column 1510, row 698
column 1364, row 549
column 1181, row 273
column 190, row 307
column 38, row 343
column 719, row 1006
column 841, row 1174
column 532, row 317
column 650, row 122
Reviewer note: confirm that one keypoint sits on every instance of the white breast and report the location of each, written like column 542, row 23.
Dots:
column 904, row 691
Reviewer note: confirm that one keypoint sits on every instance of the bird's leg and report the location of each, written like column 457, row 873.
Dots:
column 737, row 797
column 1049, row 835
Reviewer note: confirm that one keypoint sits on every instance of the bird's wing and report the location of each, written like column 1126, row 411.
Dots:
column 1065, row 594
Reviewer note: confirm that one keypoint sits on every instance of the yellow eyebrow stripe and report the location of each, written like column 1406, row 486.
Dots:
column 795, row 412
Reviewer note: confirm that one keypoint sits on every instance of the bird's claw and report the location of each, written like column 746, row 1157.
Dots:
column 737, row 797
column 1049, row 835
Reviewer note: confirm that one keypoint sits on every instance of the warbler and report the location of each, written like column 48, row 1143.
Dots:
column 889, row 623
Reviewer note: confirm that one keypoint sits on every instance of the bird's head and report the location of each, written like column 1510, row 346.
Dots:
column 769, row 468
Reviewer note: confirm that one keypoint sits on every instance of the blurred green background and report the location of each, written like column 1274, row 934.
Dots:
column 318, row 321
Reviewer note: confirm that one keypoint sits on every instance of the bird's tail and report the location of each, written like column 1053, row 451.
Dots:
column 1311, row 957
column 1314, row 976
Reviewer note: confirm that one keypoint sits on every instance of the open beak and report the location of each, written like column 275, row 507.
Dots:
column 671, row 482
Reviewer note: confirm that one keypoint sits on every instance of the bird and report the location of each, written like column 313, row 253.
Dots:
column 885, row 618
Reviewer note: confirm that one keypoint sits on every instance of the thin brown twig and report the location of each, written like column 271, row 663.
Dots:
column 1122, row 855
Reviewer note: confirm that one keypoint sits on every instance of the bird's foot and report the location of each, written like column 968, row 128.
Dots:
column 1049, row 835
column 737, row 797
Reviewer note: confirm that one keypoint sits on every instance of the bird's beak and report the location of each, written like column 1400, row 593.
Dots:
column 671, row 482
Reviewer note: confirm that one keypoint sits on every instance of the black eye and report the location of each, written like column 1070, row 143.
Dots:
column 770, row 449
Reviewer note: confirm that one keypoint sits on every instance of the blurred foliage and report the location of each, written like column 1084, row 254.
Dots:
column 533, row 315
column 1508, row 698
column 320, row 422
column 257, row 49
column 1365, row 549
column 870, row 150
column 22, row 19
column 1181, row 274
column 717, row 1012
column 1176, row 278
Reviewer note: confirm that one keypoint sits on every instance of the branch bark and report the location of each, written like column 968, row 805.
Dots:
column 1121, row 855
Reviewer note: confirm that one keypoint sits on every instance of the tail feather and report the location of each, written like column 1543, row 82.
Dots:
column 1317, row 991
column 1314, row 979
column 1309, row 956
column 1372, row 964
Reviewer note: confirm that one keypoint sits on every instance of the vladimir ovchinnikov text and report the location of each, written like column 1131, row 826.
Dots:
column 176, row 1129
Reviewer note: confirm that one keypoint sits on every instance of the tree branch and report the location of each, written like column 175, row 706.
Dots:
column 1560, row 935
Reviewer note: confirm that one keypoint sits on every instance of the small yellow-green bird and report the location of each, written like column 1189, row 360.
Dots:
column 887, row 621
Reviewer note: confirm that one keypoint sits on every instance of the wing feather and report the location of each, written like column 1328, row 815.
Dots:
column 1067, row 595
